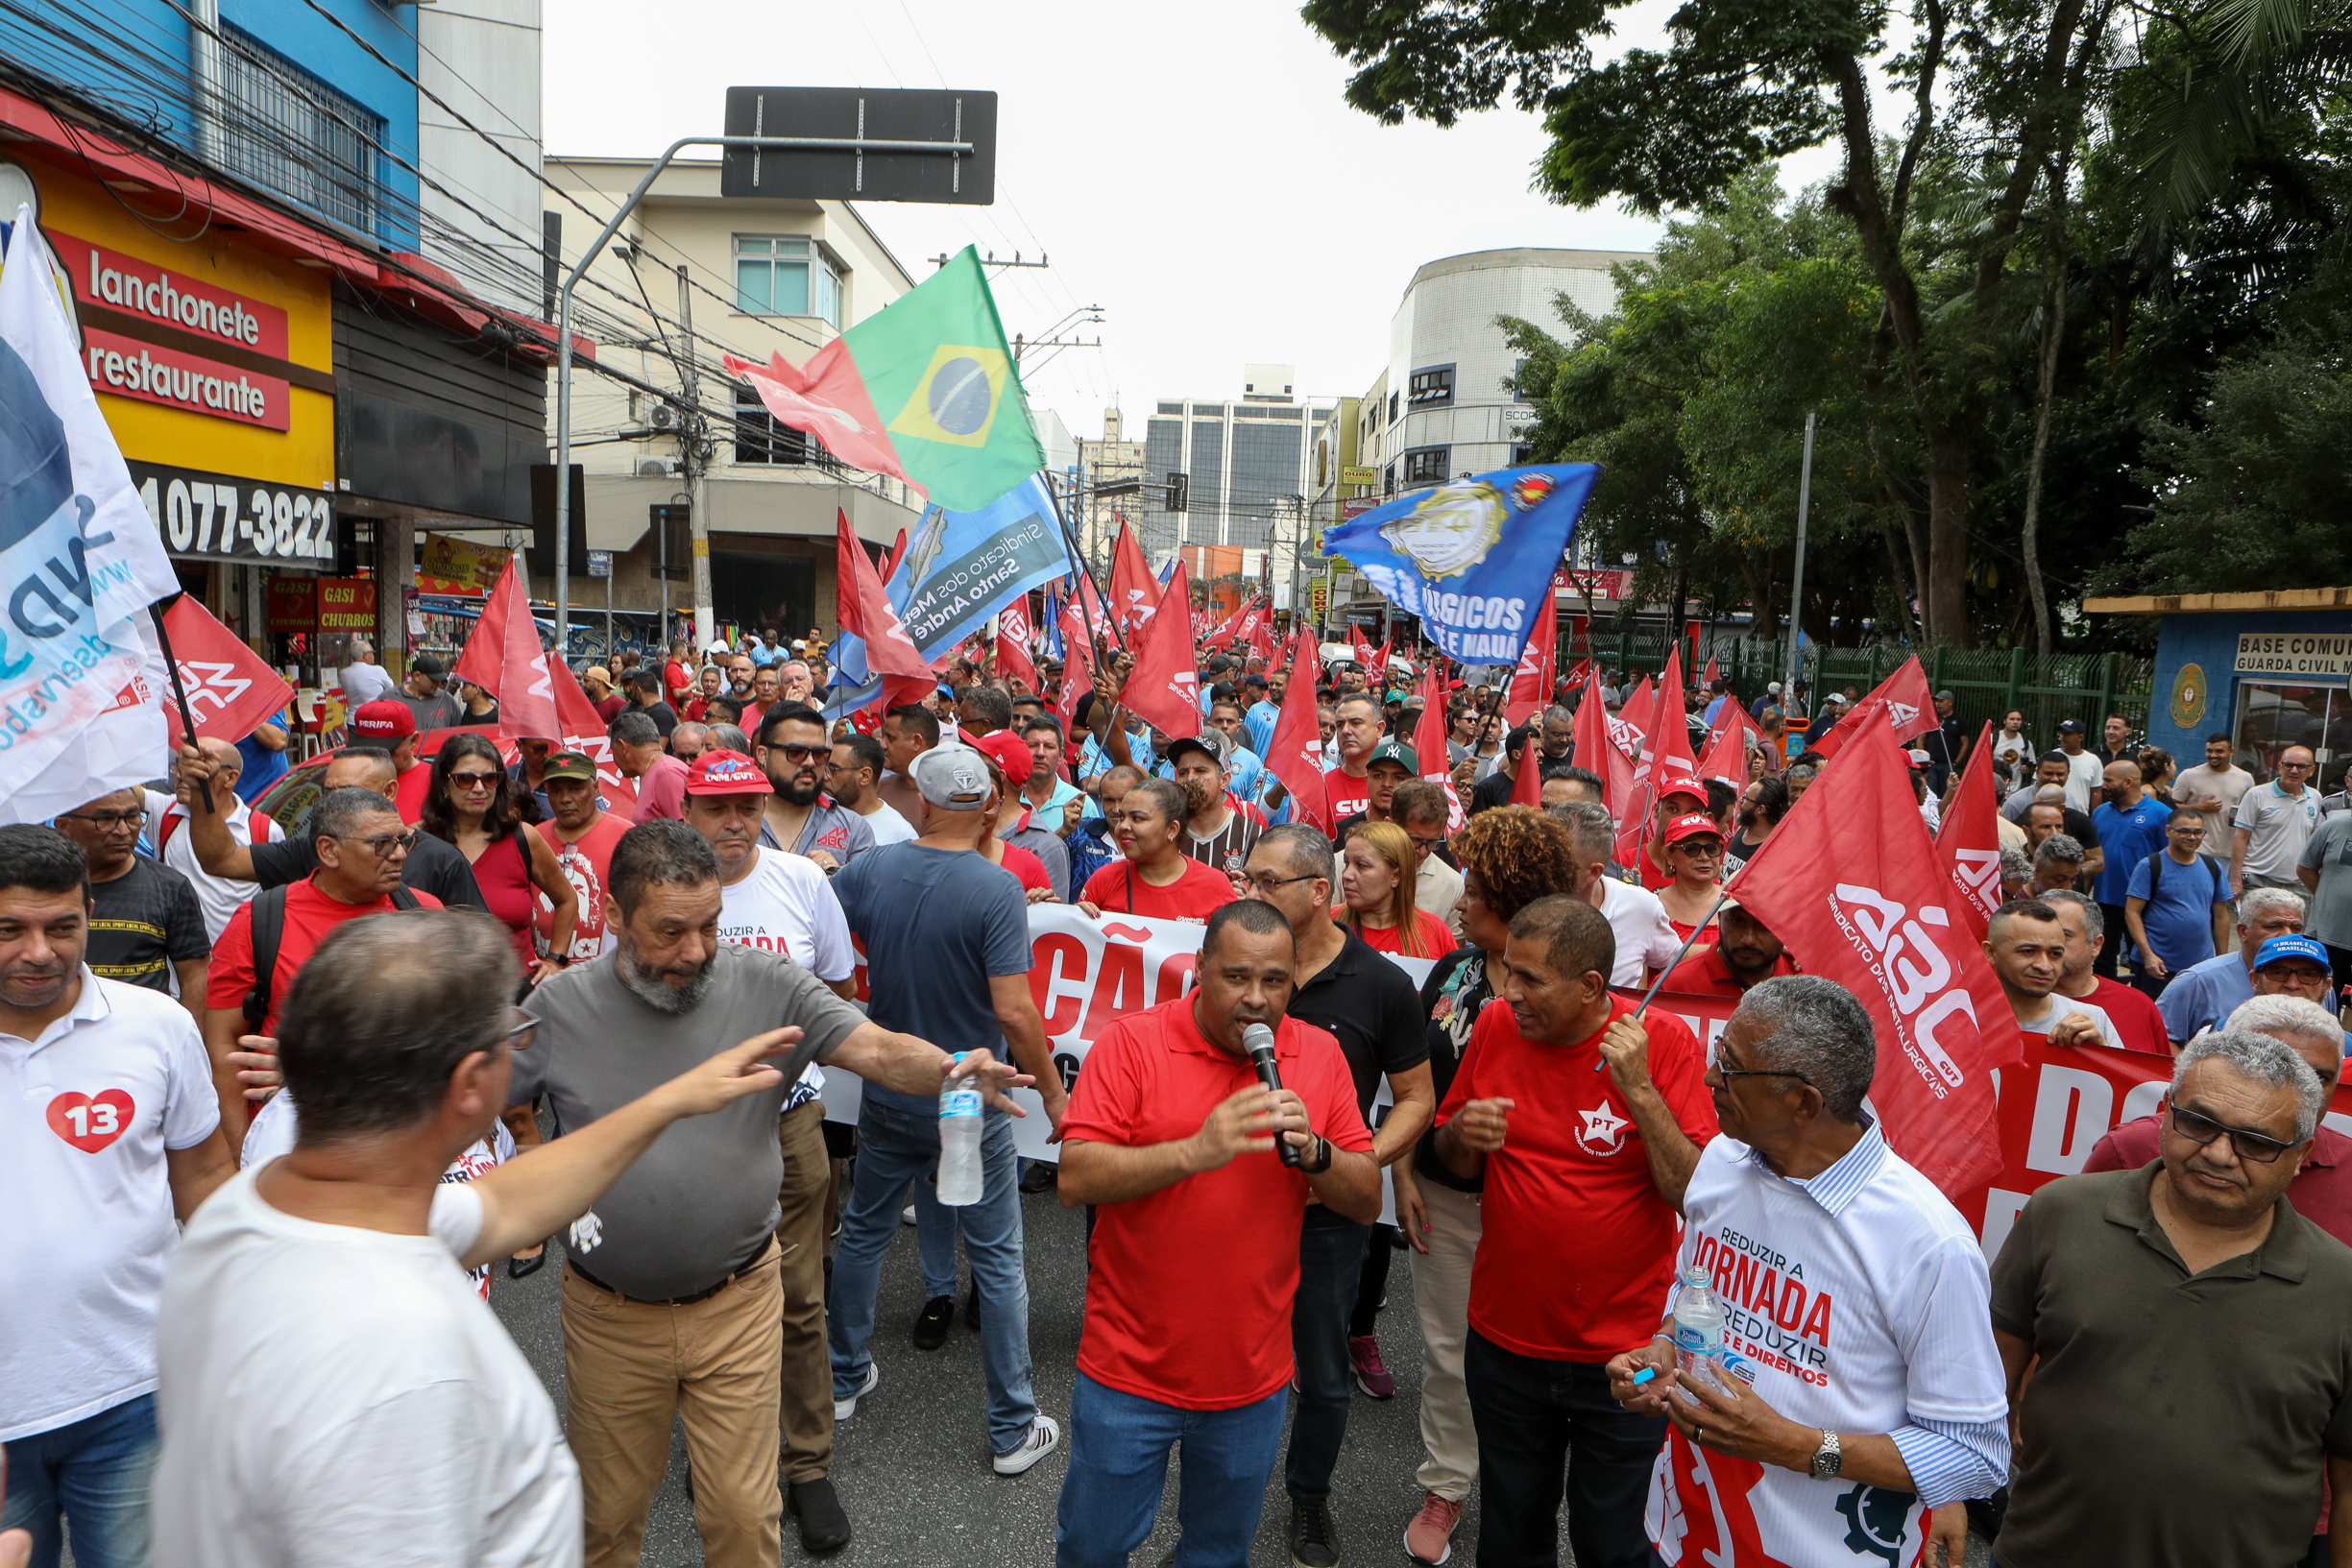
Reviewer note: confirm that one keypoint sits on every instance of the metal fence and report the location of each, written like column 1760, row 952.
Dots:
column 1985, row 682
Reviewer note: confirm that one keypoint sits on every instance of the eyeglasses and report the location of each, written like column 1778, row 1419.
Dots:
column 2201, row 1130
column 1723, row 1072
column 107, row 822
column 1263, row 883
column 2294, row 767
column 801, row 754
column 474, row 781
column 385, row 845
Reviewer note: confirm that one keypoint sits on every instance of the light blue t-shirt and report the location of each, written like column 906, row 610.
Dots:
column 2204, row 994
column 1260, row 722
column 763, row 655
column 2179, row 913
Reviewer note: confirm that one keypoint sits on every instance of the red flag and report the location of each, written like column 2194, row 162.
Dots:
column 1850, row 883
column 1164, row 688
column 1531, row 683
column 898, row 553
column 1077, row 663
column 1012, row 643
column 1527, row 784
column 1430, row 750
column 1134, row 592
column 1969, row 843
column 1262, row 641
column 584, row 731
column 231, row 689
column 864, row 608
column 505, row 658
column 1295, row 754
column 1628, row 727
column 1733, row 728
column 1597, row 750
column 1909, row 708
column 1706, row 681
column 1668, row 755
column 828, row 400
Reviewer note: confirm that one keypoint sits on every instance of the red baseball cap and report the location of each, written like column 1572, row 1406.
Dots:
column 1682, row 783
column 383, row 720
column 725, row 772
column 1691, row 827
column 1010, row 754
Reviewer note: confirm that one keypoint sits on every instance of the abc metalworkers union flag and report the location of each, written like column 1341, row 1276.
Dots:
column 1474, row 559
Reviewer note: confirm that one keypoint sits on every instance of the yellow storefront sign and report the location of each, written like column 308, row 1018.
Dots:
column 462, row 561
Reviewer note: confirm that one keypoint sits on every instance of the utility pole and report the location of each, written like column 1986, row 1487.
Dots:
column 1796, row 588
column 692, row 440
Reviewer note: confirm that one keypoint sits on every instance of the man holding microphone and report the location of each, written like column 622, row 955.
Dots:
column 1195, row 1255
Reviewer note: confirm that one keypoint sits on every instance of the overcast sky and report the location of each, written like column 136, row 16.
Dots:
column 1193, row 170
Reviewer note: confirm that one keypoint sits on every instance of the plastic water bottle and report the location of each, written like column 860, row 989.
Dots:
column 960, row 1129
column 1698, row 1332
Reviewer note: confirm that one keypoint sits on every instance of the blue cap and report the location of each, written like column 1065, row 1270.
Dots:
column 2291, row 946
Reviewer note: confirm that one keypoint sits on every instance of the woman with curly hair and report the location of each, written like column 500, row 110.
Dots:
column 1376, row 883
column 1511, row 856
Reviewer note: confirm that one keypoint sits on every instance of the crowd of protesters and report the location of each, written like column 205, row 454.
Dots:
column 330, row 1046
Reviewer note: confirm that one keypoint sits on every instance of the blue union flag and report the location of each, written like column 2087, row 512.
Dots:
column 1474, row 559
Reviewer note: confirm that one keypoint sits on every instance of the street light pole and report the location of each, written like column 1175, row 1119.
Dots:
column 1796, row 588
column 571, row 282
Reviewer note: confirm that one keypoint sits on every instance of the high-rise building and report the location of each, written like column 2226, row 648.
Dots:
column 1113, row 462
column 1235, row 473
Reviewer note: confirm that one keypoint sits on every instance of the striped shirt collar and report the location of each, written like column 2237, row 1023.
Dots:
column 1837, row 1187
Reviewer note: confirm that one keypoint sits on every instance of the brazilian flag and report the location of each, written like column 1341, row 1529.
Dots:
column 942, row 384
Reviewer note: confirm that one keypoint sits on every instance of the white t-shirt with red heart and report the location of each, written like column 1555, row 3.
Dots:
column 87, row 1228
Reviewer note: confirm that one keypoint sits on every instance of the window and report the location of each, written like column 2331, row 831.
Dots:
column 1522, row 454
column 1431, row 388
column 1387, row 480
column 759, row 439
column 2274, row 716
column 1391, row 408
column 289, row 130
column 1172, row 408
column 785, row 275
column 1427, row 465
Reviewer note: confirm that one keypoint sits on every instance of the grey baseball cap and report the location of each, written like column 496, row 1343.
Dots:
column 952, row 776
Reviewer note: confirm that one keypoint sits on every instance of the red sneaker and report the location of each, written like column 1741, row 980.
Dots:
column 1373, row 1374
column 1430, row 1537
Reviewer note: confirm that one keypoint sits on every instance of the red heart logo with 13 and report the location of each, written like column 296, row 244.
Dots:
column 90, row 1123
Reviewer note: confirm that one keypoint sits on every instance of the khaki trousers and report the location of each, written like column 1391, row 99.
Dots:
column 806, row 1397
column 1442, row 1294
column 630, row 1367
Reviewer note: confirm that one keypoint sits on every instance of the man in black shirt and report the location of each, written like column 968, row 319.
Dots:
column 1946, row 745
column 645, row 696
column 1367, row 1001
column 146, row 925
column 433, row 866
column 1494, row 789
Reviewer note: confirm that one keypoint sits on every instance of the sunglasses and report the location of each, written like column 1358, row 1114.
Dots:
column 797, row 755
column 381, row 847
column 2201, row 1130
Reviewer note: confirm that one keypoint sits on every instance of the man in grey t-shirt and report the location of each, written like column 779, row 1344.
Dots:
column 671, row 1287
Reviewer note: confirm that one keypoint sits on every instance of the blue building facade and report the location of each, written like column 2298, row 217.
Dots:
column 2269, row 670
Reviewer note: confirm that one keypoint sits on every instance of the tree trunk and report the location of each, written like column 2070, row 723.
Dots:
column 1945, row 595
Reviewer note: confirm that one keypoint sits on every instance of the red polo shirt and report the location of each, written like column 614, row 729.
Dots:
column 1189, row 1300
column 1707, row 975
column 1578, row 1248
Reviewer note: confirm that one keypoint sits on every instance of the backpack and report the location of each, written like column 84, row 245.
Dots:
column 2213, row 869
column 269, row 913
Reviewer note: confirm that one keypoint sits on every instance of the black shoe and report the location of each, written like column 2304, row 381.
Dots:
column 1041, row 1177
column 1315, row 1541
column 823, row 1525
column 931, row 1328
column 525, row 1268
column 970, row 1308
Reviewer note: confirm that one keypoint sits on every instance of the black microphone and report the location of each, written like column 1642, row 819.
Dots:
column 1259, row 1042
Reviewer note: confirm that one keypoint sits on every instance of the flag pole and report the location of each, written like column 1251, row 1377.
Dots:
column 1069, row 542
column 1679, row 955
column 180, row 694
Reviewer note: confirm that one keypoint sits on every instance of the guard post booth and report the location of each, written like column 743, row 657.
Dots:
column 2269, row 670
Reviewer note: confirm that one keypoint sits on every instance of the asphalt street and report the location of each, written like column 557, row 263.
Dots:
column 912, row 1465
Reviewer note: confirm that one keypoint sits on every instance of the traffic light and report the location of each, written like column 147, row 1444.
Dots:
column 1178, row 492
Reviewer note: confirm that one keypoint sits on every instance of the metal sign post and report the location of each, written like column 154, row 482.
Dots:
column 911, row 156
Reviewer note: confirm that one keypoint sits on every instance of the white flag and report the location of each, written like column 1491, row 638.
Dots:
column 80, row 563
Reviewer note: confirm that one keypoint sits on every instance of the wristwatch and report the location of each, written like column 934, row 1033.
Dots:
column 1322, row 1147
column 1828, row 1458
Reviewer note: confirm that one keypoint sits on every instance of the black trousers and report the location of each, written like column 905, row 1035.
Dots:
column 2110, row 945
column 1535, row 1418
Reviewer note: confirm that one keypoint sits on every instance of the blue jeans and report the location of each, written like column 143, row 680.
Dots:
column 94, row 1474
column 1330, row 1267
column 1119, row 1465
column 935, row 1240
column 896, row 1147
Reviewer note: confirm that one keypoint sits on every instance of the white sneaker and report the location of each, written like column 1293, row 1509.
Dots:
column 1044, row 1437
column 844, row 1408
column 906, row 1216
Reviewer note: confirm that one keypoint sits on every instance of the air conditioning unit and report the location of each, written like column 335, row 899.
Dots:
column 665, row 416
column 656, row 468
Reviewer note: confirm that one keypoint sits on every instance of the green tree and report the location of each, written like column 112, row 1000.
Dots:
column 1999, row 88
